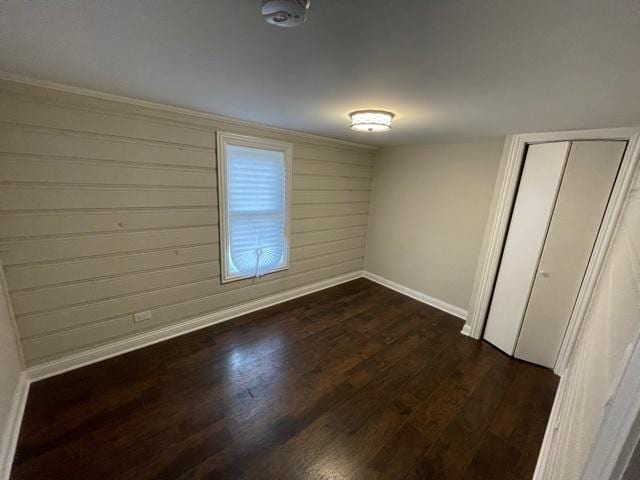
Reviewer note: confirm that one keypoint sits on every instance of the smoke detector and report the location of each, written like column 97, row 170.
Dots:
column 285, row 13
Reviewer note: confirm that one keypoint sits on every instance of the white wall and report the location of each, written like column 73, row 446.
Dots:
column 612, row 323
column 10, row 368
column 429, row 209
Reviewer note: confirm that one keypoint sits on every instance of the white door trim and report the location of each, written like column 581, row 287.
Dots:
column 620, row 428
column 504, row 195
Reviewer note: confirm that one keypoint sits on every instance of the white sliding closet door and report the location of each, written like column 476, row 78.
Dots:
column 541, row 176
column 588, row 179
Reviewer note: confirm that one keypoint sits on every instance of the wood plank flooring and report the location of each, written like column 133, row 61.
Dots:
column 353, row 382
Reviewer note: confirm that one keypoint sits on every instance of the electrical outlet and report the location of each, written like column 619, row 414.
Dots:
column 142, row 316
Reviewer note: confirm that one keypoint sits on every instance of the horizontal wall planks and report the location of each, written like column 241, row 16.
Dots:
column 16, row 225
column 33, row 141
column 46, row 322
column 108, row 208
column 51, row 297
column 309, row 211
column 334, row 155
column 59, row 249
column 317, row 182
column 326, row 248
column 44, row 348
column 32, row 276
column 302, row 166
column 311, row 238
column 328, row 196
column 62, row 197
column 31, row 251
column 92, row 290
column 27, row 111
column 30, row 169
column 326, row 223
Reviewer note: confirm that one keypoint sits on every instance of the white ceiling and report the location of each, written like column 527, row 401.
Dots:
column 452, row 70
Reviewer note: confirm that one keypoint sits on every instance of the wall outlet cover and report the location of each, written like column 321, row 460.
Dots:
column 142, row 316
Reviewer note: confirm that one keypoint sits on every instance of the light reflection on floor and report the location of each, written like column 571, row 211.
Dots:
column 256, row 393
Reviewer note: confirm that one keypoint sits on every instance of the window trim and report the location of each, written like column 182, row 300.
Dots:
column 222, row 140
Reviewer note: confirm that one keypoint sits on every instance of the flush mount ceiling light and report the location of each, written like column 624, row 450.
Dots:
column 371, row 120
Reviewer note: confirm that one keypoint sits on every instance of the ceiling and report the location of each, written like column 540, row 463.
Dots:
column 452, row 70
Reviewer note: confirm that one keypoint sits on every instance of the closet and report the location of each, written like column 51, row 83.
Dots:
column 560, row 203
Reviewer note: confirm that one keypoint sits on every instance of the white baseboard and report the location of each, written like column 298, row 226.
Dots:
column 9, row 438
column 466, row 330
column 102, row 352
column 421, row 297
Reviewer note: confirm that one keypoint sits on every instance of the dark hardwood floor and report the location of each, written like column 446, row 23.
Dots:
column 353, row 382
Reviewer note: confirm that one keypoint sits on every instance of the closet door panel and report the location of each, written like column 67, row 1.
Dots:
column 532, row 211
column 588, row 179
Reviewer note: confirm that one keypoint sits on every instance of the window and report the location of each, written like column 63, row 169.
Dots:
column 254, row 181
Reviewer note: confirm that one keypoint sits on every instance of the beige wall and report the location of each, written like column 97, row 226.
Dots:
column 612, row 323
column 109, row 208
column 429, row 208
column 10, row 368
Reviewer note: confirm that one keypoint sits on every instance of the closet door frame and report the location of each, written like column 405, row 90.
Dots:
column 497, row 226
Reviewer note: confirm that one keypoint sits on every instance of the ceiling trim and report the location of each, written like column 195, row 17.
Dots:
column 12, row 77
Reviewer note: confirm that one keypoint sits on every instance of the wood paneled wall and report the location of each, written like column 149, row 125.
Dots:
column 109, row 208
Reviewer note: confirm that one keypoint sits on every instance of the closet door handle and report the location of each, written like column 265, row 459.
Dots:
column 543, row 273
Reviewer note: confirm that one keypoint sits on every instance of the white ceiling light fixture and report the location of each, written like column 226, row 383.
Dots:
column 285, row 13
column 371, row 120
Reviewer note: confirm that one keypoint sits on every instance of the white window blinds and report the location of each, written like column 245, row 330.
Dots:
column 255, row 226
